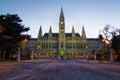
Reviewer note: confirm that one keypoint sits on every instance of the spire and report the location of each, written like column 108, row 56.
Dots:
column 61, row 14
column 40, row 32
column 73, row 33
column 50, row 33
column 83, row 33
column 73, row 30
column 50, row 30
column 61, row 11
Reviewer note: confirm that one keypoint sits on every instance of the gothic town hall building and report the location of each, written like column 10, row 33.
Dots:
column 61, row 44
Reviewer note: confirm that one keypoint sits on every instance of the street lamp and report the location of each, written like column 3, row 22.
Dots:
column 39, row 49
column 103, row 49
column 104, row 42
column 18, row 55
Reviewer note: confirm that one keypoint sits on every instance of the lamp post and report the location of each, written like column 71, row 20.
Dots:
column 104, row 49
column 19, row 53
column 39, row 50
column 104, row 44
column 111, row 52
column 111, row 55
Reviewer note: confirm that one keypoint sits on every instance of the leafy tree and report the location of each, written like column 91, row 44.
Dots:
column 11, row 34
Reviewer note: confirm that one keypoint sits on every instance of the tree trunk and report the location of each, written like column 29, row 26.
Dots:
column 18, row 55
column 4, row 54
column 111, row 55
column 32, row 56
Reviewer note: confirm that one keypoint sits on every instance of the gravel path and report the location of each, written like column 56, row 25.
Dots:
column 53, row 69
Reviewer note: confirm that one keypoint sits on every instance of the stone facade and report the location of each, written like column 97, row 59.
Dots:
column 64, row 45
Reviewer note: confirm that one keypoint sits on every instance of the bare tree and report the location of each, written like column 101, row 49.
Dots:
column 109, row 33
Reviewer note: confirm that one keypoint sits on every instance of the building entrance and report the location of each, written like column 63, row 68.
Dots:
column 62, row 53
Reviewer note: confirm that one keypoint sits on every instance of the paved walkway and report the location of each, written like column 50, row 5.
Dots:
column 53, row 69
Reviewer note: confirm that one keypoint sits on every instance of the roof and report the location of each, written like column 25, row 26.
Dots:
column 33, row 38
column 70, row 34
column 53, row 34
column 92, row 39
column 56, row 34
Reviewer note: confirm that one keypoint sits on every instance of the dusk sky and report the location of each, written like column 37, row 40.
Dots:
column 93, row 14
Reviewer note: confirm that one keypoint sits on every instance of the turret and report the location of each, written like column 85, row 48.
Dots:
column 73, row 33
column 40, row 33
column 83, row 33
column 50, row 33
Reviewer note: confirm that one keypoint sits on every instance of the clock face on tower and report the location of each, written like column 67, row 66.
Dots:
column 61, row 22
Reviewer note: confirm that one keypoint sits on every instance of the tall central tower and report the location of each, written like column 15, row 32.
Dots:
column 62, row 37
